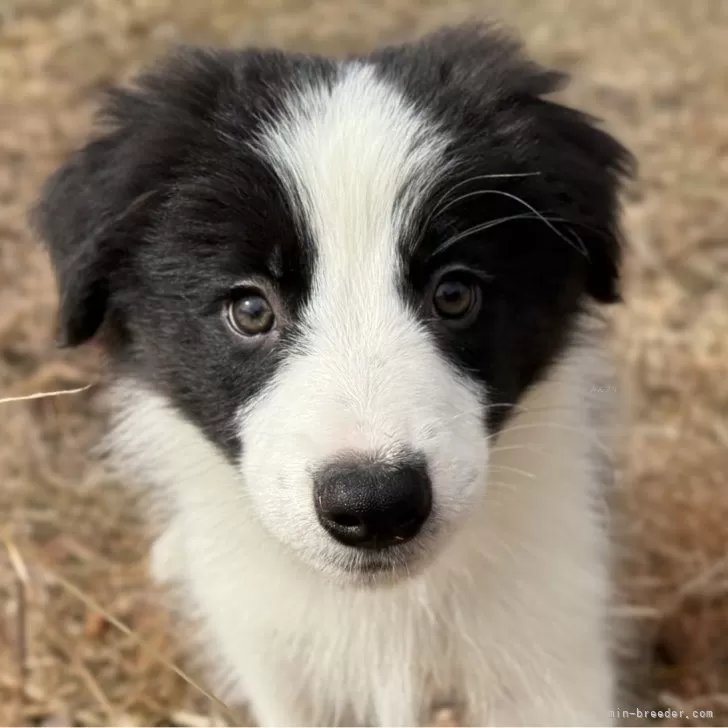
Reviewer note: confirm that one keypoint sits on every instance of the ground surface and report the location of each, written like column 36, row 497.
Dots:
column 656, row 70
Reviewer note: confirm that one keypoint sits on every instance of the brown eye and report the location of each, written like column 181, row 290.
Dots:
column 250, row 313
column 455, row 299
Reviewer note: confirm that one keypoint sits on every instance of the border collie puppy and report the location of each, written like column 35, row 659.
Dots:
column 346, row 305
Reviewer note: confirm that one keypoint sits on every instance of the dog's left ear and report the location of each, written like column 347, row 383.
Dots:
column 590, row 166
column 581, row 167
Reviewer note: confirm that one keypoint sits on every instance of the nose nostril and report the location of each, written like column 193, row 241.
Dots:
column 345, row 520
column 406, row 517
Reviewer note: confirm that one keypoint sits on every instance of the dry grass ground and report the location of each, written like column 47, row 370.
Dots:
column 656, row 70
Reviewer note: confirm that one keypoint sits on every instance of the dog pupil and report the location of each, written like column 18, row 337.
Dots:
column 452, row 298
column 253, row 306
column 253, row 312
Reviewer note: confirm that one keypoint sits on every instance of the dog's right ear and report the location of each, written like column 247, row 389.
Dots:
column 98, row 205
column 84, row 209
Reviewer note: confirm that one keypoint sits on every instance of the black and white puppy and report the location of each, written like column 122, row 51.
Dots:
column 346, row 305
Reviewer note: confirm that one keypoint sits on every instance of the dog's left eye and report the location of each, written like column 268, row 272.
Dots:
column 249, row 313
column 456, row 299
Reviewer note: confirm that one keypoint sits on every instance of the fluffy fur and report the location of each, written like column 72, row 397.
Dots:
column 344, row 192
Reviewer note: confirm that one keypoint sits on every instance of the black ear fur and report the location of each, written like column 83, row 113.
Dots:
column 77, row 217
column 591, row 168
column 97, row 204
column 582, row 166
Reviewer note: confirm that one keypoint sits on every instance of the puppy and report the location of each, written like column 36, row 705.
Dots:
column 347, row 306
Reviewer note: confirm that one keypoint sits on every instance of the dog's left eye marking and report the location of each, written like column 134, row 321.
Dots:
column 249, row 312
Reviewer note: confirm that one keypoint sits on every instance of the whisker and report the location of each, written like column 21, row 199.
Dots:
column 438, row 210
column 517, row 408
column 540, row 450
column 479, row 229
column 517, row 471
column 521, row 201
column 502, row 484
column 556, row 426
column 478, row 178
column 520, row 446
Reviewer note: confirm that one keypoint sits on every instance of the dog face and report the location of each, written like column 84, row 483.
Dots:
column 343, row 273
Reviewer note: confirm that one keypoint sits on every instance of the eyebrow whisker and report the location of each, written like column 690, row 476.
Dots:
column 442, row 204
column 478, row 178
column 577, row 244
column 479, row 229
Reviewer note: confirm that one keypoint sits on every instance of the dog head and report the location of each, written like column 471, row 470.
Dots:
column 342, row 273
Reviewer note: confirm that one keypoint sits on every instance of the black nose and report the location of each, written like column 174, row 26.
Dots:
column 373, row 505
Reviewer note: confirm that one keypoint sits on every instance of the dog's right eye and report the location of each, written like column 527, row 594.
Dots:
column 249, row 313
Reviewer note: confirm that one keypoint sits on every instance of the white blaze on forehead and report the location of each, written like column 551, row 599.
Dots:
column 357, row 158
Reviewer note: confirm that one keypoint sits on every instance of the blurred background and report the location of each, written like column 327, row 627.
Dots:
column 82, row 638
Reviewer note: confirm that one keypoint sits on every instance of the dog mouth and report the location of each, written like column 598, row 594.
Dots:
column 376, row 575
column 390, row 566
column 377, row 566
